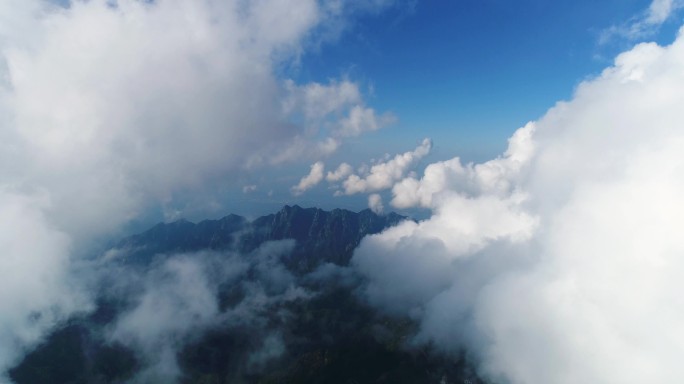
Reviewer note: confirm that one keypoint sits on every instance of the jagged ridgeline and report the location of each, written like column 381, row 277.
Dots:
column 320, row 236
column 276, row 317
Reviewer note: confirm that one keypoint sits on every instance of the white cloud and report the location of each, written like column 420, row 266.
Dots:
column 560, row 261
column 35, row 288
column 110, row 108
column 146, row 99
column 375, row 203
column 661, row 10
column 317, row 101
column 342, row 171
column 385, row 174
column 337, row 109
column 143, row 99
column 309, row 181
column 363, row 119
column 249, row 188
column 658, row 12
column 176, row 300
column 492, row 177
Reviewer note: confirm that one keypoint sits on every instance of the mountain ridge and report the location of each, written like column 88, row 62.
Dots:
column 321, row 236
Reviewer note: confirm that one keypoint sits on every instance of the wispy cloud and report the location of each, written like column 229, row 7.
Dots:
column 375, row 203
column 336, row 109
column 644, row 25
column 177, row 300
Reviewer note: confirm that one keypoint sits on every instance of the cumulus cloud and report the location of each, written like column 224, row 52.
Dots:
column 495, row 177
column 383, row 175
column 108, row 109
column 342, row 171
column 314, row 177
column 559, row 261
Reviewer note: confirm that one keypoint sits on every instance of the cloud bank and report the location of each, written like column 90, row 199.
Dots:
column 560, row 261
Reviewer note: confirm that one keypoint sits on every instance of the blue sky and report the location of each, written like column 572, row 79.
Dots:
column 199, row 109
column 468, row 73
column 465, row 73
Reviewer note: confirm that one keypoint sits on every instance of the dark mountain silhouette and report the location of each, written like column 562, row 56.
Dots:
column 321, row 236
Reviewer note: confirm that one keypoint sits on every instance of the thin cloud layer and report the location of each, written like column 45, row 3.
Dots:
column 177, row 300
column 560, row 261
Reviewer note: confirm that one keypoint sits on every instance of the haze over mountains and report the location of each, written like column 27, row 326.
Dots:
column 283, row 301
